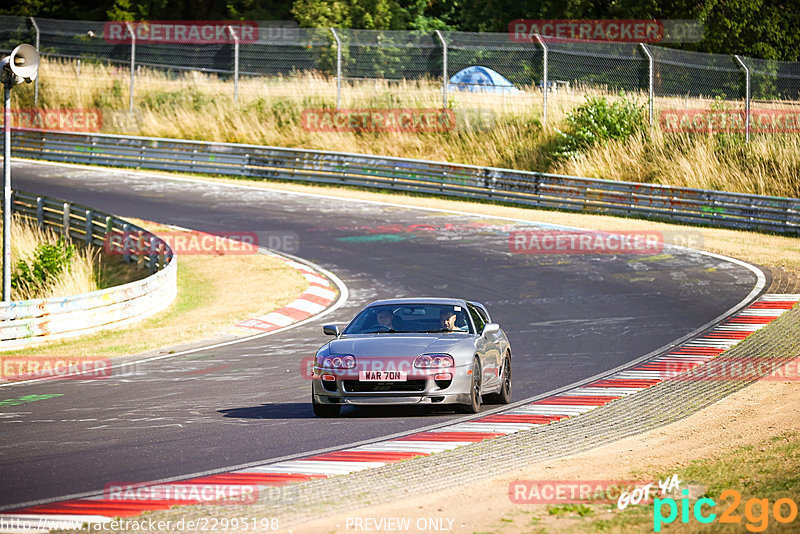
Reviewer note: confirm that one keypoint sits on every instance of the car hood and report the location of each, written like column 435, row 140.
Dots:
column 397, row 345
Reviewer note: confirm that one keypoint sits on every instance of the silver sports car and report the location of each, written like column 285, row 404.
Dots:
column 413, row 351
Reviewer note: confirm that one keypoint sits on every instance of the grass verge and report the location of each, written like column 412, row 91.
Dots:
column 761, row 475
column 214, row 293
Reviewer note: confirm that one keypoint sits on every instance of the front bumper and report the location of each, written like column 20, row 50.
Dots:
column 421, row 387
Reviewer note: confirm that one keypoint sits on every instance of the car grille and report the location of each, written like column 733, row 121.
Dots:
column 356, row 386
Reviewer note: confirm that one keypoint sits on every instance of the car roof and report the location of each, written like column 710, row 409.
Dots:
column 423, row 300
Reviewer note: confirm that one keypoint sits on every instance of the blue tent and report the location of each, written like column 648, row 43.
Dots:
column 480, row 79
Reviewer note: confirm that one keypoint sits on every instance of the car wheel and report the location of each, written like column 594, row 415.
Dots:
column 474, row 405
column 504, row 396
column 325, row 410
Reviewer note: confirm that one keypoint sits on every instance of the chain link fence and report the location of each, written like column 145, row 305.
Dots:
column 364, row 68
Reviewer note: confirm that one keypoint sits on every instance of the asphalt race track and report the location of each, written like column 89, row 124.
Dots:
column 568, row 317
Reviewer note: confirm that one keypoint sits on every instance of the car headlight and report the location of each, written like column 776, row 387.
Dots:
column 346, row 361
column 434, row 361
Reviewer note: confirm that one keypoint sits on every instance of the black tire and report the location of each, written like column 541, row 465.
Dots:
column 474, row 405
column 504, row 396
column 325, row 410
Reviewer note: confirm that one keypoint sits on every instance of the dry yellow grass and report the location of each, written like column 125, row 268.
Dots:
column 769, row 165
column 492, row 129
column 88, row 270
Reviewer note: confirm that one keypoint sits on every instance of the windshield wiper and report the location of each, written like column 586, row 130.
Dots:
column 389, row 331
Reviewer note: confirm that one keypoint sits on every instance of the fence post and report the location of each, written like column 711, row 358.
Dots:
column 89, row 226
column 126, row 235
column 338, row 68
column 108, row 236
column 65, row 220
column 40, row 212
column 444, row 68
column 36, row 81
column 544, row 79
column 133, row 63
column 152, row 257
column 161, row 255
column 746, row 98
column 235, row 63
column 649, row 81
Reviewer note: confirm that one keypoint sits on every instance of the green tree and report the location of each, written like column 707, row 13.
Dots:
column 367, row 14
column 766, row 29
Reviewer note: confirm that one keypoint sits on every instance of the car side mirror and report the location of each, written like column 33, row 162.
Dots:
column 331, row 330
column 490, row 328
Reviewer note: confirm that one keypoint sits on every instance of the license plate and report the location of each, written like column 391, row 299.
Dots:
column 382, row 376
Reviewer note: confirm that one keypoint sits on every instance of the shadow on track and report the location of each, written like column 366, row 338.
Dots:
column 302, row 410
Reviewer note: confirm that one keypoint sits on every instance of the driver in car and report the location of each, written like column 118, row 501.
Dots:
column 384, row 318
column 448, row 320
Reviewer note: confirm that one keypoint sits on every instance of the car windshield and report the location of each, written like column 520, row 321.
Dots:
column 410, row 318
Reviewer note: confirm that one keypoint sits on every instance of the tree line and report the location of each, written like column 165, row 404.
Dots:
column 765, row 29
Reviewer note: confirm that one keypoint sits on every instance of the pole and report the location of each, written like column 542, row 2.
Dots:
column 746, row 98
column 7, row 192
column 649, row 81
column 338, row 68
column 444, row 69
column 544, row 79
column 36, row 83
column 133, row 63
column 235, row 63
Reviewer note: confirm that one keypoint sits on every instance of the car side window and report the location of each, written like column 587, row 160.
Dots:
column 476, row 318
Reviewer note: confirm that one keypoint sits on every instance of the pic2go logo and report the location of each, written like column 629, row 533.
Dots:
column 756, row 511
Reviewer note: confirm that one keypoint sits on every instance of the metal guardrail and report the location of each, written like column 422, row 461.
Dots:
column 541, row 190
column 24, row 322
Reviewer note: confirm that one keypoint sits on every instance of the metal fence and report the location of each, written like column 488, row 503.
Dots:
column 667, row 77
column 679, row 204
column 31, row 321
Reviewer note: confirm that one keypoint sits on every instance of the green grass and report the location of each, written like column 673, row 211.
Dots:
column 570, row 509
column 768, row 471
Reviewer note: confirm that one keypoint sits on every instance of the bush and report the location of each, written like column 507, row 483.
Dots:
column 596, row 121
column 47, row 263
